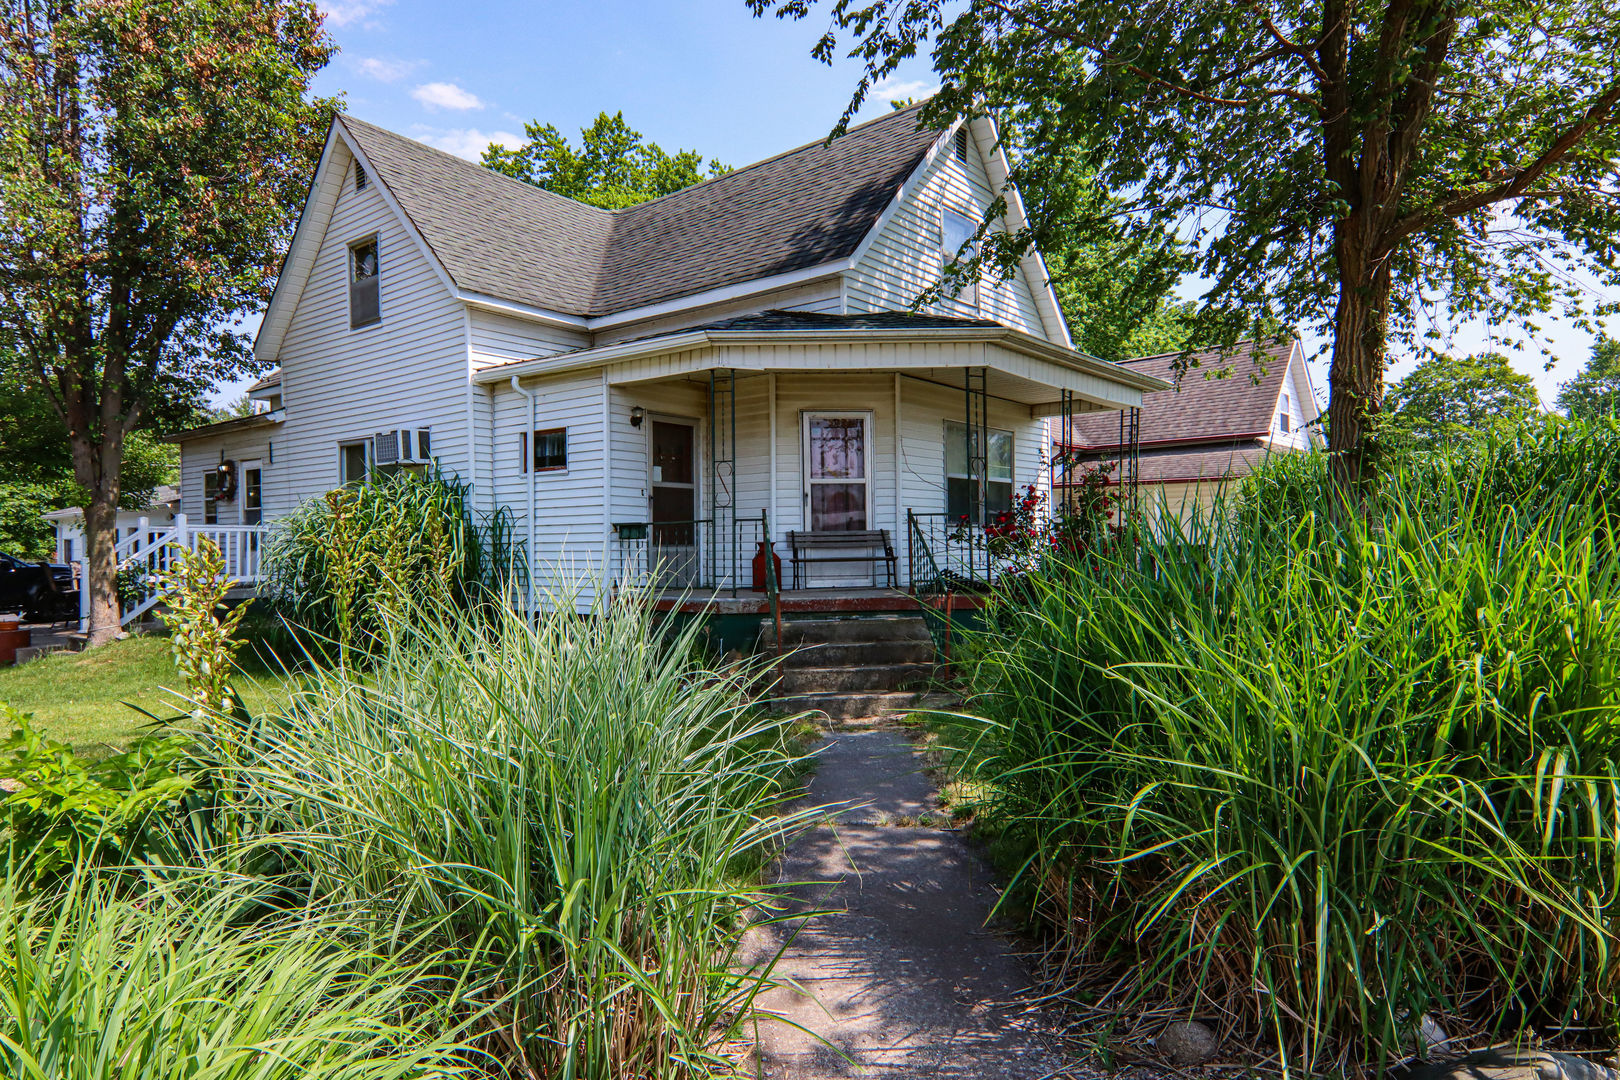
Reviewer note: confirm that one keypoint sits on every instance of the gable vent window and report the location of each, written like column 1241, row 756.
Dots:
column 360, row 180
column 364, row 306
column 962, row 145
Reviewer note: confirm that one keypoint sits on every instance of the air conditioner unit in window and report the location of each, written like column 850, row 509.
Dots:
column 402, row 447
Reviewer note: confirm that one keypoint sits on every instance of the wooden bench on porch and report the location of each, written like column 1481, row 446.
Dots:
column 853, row 546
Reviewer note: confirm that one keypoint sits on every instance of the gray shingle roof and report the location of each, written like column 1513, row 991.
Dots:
column 1204, row 406
column 508, row 239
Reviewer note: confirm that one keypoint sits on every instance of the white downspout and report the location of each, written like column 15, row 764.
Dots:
column 528, row 467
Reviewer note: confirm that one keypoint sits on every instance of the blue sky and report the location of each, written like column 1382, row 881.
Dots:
column 693, row 74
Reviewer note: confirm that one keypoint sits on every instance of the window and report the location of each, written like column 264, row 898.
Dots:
column 550, row 450
column 955, row 230
column 364, row 306
column 211, row 497
column 961, row 498
column 354, row 460
column 962, row 145
column 360, row 178
column 1283, row 416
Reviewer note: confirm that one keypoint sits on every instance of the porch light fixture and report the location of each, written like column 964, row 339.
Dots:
column 637, row 415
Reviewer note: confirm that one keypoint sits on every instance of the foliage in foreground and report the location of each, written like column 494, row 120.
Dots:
column 1317, row 780
column 579, row 803
column 343, row 565
column 173, row 986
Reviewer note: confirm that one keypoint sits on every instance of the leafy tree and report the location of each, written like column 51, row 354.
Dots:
column 1447, row 398
column 150, row 155
column 612, row 168
column 1359, row 164
column 1595, row 392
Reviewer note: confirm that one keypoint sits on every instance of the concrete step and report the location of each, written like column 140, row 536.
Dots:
column 847, row 706
column 837, row 653
column 843, row 680
column 847, row 630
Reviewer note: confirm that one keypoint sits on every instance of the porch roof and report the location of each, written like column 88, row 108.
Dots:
column 1021, row 367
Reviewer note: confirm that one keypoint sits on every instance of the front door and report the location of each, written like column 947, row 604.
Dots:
column 251, row 500
column 673, row 545
column 837, row 476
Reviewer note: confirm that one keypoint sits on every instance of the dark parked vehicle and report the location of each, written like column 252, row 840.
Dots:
column 41, row 591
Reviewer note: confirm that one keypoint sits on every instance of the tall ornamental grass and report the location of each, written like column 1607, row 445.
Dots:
column 577, row 805
column 172, row 986
column 1314, row 776
column 344, row 564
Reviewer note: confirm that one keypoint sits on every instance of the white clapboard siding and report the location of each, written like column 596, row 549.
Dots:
column 500, row 339
column 409, row 370
column 569, row 503
column 198, row 457
column 905, row 259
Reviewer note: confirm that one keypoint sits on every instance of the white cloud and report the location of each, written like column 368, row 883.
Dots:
column 345, row 12
column 443, row 95
column 888, row 89
column 384, row 70
column 468, row 143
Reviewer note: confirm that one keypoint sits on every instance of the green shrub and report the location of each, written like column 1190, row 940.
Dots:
column 169, row 986
column 346, row 564
column 1316, row 777
column 62, row 811
column 577, row 797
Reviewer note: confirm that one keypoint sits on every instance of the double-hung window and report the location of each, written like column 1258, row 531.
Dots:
column 961, row 486
column 354, row 461
column 365, row 303
column 955, row 230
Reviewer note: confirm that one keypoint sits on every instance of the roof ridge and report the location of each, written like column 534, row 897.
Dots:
column 739, row 170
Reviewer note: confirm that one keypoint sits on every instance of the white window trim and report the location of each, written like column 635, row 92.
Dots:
column 366, row 442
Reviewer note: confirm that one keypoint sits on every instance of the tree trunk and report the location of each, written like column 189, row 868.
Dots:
column 96, row 464
column 101, row 567
column 1356, row 378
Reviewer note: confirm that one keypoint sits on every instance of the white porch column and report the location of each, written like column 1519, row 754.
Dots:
column 902, row 541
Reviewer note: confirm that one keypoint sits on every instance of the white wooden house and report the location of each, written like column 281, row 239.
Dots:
column 660, row 385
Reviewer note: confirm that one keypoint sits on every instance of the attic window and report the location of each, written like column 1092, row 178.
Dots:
column 957, row 229
column 365, row 307
column 360, row 179
column 962, row 145
column 1283, row 417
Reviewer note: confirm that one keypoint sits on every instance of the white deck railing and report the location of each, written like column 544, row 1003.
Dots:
column 147, row 551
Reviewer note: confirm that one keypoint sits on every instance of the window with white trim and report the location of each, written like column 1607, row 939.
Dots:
column 365, row 302
column 211, row 497
column 354, row 461
column 1285, row 416
column 961, row 496
column 957, row 229
column 550, row 450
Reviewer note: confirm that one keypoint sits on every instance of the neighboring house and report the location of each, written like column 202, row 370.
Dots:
column 157, row 514
column 1232, row 408
column 656, row 384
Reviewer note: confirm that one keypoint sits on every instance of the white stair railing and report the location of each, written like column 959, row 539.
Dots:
column 147, row 551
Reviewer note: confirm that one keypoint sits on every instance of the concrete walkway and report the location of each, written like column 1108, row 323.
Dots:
column 898, row 974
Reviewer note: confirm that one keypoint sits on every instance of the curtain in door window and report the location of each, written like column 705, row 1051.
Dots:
column 837, row 447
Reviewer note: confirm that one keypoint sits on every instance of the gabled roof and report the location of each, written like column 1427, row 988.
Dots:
column 510, row 240
column 1208, row 406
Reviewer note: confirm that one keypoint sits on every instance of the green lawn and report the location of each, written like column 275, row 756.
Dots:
column 80, row 698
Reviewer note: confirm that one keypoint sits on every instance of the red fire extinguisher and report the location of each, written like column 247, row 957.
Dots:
column 759, row 565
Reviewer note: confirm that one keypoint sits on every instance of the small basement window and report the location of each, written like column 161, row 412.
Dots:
column 550, row 450
column 365, row 307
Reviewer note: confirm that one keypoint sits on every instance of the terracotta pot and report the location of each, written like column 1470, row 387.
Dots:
column 10, row 641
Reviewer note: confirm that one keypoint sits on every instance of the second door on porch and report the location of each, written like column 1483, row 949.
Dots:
column 837, row 455
column 673, row 552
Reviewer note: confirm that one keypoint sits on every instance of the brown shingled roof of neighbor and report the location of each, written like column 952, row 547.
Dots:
column 1205, row 406
column 504, row 238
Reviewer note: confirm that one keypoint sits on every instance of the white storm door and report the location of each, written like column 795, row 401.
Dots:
column 837, row 471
